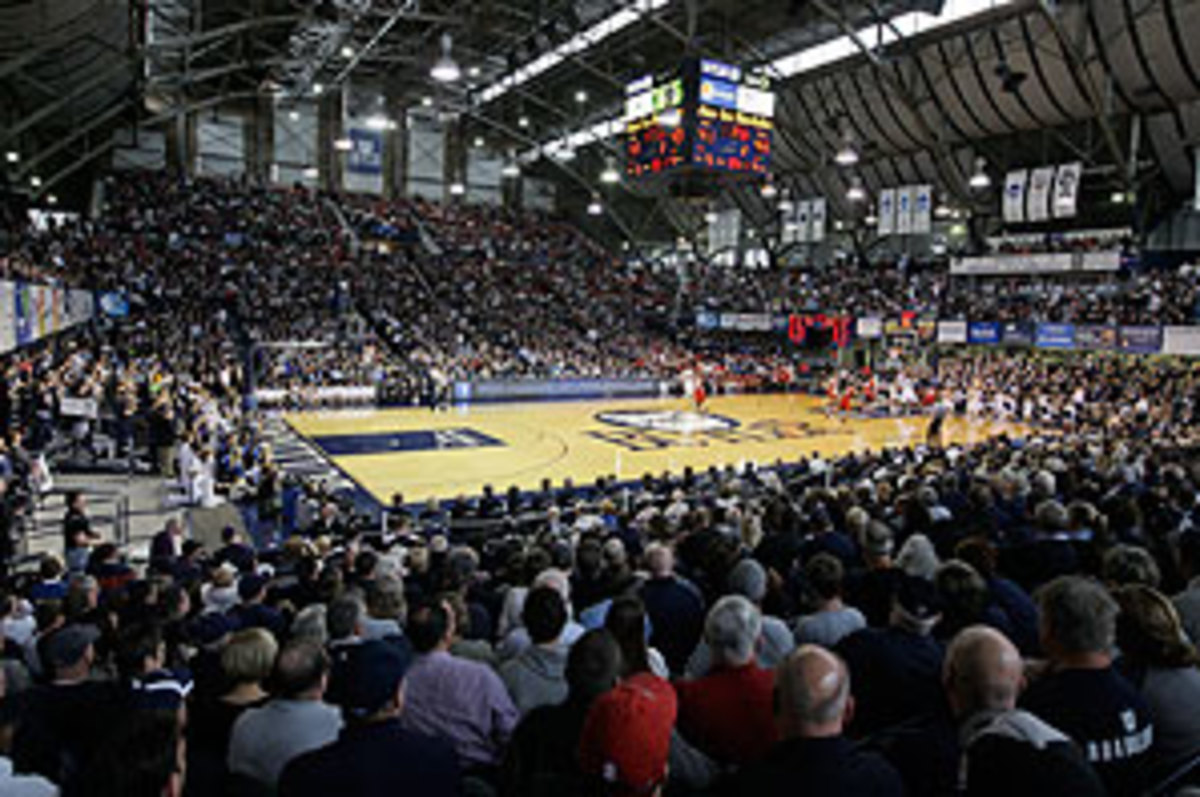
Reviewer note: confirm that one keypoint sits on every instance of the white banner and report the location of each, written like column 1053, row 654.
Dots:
column 817, row 218
column 1046, row 263
column 70, row 407
column 747, row 322
column 905, row 200
column 887, row 212
column 952, row 332
column 804, row 221
column 868, row 327
column 1041, row 184
column 724, row 230
column 1014, row 196
column 1181, row 340
column 8, row 317
column 1066, row 190
column 922, row 223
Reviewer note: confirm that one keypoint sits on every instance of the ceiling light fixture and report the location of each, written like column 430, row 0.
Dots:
column 446, row 69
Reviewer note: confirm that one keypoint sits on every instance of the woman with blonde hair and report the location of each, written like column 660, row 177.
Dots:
column 1158, row 659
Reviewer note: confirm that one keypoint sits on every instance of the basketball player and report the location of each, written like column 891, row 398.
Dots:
column 933, row 435
column 846, row 403
column 831, row 395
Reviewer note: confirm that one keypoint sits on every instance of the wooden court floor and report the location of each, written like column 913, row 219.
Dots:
column 424, row 454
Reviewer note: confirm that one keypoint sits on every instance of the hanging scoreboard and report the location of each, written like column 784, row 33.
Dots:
column 712, row 117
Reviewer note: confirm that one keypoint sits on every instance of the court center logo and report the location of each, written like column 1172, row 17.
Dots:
column 674, row 421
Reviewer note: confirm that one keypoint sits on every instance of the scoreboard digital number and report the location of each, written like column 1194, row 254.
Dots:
column 714, row 117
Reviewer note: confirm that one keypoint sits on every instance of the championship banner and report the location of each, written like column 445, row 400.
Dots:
column 905, row 200
column 41, row 311
column 952, row 332
column 1066, row 190
column 1055, row 336
column 366, row 152
column 1014, row 196
column 708, row 321
column 57, row 316
column 23, row 307
column 1183, row 341
column 922, row 223
column 1095, row 337
column 887, row 212
column 817, row 218
column 1041, row 183
column 869, row 328
column 983, row 333
column 114, row 304
column 1018, row 333
column 8, row 317
column 1141, row 340
column 803, row 230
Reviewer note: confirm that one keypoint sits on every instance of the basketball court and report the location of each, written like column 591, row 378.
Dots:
column 424, row 454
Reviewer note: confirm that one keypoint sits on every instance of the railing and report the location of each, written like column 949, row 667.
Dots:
column 108, row 511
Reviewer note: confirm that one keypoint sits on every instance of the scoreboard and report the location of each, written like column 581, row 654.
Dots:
column 712, row 117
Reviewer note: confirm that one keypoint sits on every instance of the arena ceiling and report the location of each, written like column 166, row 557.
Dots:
column 1022, row 83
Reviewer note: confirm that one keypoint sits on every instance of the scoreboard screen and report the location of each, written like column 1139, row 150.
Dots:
column 713, row 117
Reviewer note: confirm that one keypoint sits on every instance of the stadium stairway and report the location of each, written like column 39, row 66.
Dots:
column 298, row 457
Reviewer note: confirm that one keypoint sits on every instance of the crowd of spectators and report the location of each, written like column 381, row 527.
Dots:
column 1015, row 616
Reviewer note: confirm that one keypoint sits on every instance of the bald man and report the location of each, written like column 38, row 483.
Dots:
column 1005, row 750
column 812, row 706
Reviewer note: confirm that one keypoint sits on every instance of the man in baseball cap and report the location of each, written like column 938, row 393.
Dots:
column 627, row 737
column 373, row 754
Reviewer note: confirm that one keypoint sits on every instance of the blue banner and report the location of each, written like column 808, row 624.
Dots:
column 706, row 320
column 24, row 314
column 1055, row 336
column 114, row 304
column 1018, row 333
column 366, row 152
column 983, row 332
column 1141, row 340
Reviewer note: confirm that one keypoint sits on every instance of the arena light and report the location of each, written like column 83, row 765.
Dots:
column 1118, row 197
column 610, row 175
column 847, row 156
column 427, row 102
column 52, row 199
column 379, row 122
column 856, row 192
column 12, row 156
column 294, row 116
column 614, row 23
column 768, row 190
column 980, row 179
column 523, row 122
column 581, row 96
column 457, row 188
column 446, row 69
column 871, row 221
column 35, row 182
column 343, row 145
column 347, row 51
column 594, row 208
column 478, row 142
column 473, row 72
column 511, row 170
column 943, row 212
column 710, row 217
column 311, row 173
column 318, row 89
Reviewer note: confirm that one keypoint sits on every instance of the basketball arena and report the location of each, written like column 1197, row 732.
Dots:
column 599, row 398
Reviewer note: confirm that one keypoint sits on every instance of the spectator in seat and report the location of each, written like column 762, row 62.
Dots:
column 1158, row 659
column 375, row 754
column 897, row 668
column 626, row 740
column 871, row 588
column 749, row 579
column 247, row 661
column 536, row 677
column 463, row 702
column 541, row 761
column 727, row 714
column 813, row 704
column 1081, row 692
column 252, row 611
column 63, row 722
column 295, row 721
column 1006, row 750
column 833, row 620
column 675, row 608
